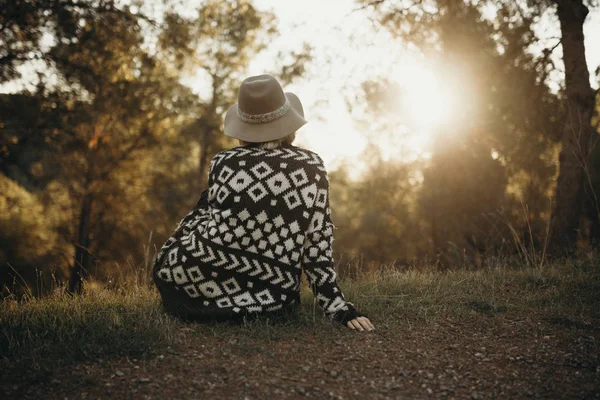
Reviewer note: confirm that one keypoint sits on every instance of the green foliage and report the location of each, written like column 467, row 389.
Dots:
column 109, row 149
column 222, row 37
column 218, row 41
column 30, row 241
column 463, row 189
column 381, row 228
column 110, row 137
column 487, row 184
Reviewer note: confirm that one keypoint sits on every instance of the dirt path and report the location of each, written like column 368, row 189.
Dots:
column 474, row 358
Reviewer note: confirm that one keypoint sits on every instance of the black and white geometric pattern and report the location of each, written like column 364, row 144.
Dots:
column 266, row 218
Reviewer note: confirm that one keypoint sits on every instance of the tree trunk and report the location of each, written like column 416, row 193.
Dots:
column 82, row 255
column 210, row 118
column 204, row 154
column 578, row 131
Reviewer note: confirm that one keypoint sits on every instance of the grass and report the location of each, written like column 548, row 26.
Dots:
column 129, row 321
column 100, row 323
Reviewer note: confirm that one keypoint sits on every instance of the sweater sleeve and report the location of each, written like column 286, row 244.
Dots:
column 317, row 260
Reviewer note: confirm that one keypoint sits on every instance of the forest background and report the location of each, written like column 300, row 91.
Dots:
column 455, row 132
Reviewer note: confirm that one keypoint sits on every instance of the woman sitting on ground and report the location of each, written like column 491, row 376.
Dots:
column 264, row 218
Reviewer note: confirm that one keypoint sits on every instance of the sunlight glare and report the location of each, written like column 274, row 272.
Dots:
column 426, row 101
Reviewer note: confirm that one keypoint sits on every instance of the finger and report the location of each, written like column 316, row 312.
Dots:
column 370, row 323
column 357, row 325
column 366, row 323
column 349, row 324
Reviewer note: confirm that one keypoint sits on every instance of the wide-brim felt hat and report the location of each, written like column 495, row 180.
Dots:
column 264, row 111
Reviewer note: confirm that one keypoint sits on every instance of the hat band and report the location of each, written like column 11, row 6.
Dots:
column 266, row 117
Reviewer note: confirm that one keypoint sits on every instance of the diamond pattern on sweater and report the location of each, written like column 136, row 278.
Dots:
column 278, row 183
column 194, row 274
column 225, row 174
column 275, row 238
column 165, row 274
column 179, row 275
column 316, row 223
column 292, row 199
column 244, row 299
column 265, row 297
column 192, row 291
column 210, row 289
column 299, row 177
column 222, row 194
column 321, row 200
column 261, row 170
column 309, row 194
column 266, row 219
column 257, row 192
column 240, row 181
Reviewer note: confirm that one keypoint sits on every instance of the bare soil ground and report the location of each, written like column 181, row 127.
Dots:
column 465, row 335
column 506, row 358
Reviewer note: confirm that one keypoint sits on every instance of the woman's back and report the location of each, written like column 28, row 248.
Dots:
column 263, row 201
column 266, row 216
column 264, row 219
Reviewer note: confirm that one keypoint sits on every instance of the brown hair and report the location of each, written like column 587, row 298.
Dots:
column 273, row 144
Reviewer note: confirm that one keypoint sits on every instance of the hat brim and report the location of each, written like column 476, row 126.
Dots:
column 287, row 124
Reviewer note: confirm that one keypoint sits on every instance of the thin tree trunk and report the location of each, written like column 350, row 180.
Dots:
column 82, row 259
column 576, row 138
column 204, row 154
column 82, row 256
column 206, row 145
column 210, row 118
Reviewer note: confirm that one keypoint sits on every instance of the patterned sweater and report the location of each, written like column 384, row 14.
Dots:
column 264, row 218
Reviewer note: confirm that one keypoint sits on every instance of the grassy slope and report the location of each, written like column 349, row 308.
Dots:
column 107, row 324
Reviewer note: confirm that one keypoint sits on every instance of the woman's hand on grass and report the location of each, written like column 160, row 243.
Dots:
column 361, row 324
